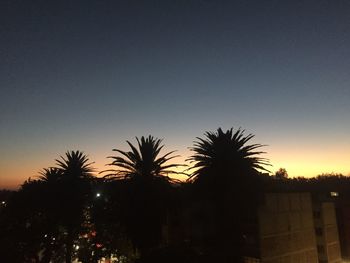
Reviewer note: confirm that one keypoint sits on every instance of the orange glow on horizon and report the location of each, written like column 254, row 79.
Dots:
column 305, row 163
column 310, row 162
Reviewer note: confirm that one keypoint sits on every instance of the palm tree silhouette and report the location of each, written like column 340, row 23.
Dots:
column 143, row 174
column 75, row 166
column 225, row 175
column 77, row 174
column 51, row 191
column 50, row 175
column 224, row 152
column 143, row 162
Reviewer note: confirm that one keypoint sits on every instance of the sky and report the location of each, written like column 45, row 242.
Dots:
column 89, row 75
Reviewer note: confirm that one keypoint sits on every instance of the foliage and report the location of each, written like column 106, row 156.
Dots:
column 224, row 152
column 125, row 213
column 281, row 173
column 48, row 213
column 226, row 171
column 76, row 173
column 144, row 161
column 147, row 190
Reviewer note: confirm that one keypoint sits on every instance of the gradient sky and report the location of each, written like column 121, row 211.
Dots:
column 89, row 75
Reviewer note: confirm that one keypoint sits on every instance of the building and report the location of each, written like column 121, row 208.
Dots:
column 293, row 227
column 326, row 231
column 286, row 229
column 343, row 221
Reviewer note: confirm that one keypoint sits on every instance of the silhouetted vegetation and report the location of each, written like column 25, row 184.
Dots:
column 226, row 172
column 139, row 213
column 281, row 173
column 147, row 191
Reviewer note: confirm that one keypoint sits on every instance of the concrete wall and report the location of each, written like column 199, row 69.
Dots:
column 327, row 233
column 343, row 220
column 287, row 229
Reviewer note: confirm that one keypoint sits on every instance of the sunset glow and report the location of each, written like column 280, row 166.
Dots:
column 91, row 76
column 306, row 163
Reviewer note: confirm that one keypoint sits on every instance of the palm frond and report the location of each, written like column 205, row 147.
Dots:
column 75, row 164
column 50, row 175
column 225, row 151
column 143, row 160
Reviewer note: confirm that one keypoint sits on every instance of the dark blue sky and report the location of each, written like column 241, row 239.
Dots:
column 91, row 74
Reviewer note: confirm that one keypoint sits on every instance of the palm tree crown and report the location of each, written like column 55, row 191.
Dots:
column 144, row 161
column 50, row 175
column 75, row 165
column 225, row 152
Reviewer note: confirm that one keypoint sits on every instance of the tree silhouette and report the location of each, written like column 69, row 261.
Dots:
column 147, row 190
column 75, row 166
column 21, row 225
column 50, row 175
column 143, row 162
column 225, row 175
column 107, row 215
column 76, row 179
column 224, row 152
column 52, row 212
column 47, row 214
column 207, row 217
column 281, row 173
